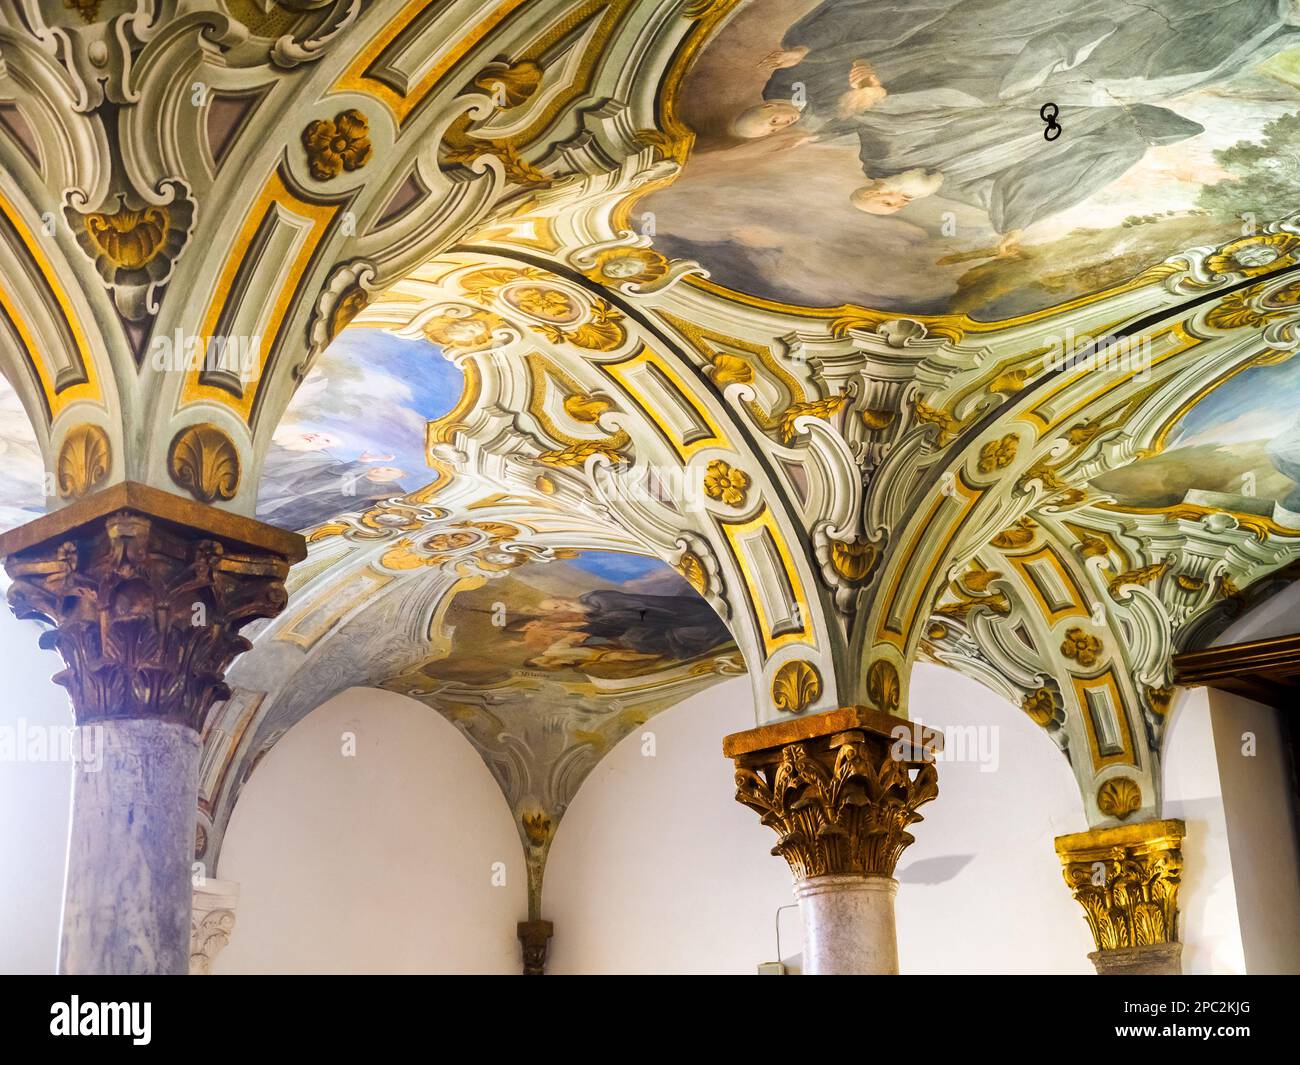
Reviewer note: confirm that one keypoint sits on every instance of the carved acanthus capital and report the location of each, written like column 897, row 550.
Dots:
column 1126, row 879
column 535, row 938
column 840, row 789
column 145, row 594
column 212, row 922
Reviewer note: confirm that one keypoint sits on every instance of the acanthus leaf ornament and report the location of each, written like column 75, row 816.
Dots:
column 144, row 614
column 203, row 460
column 883, row 688
column 84, row 461
column 1127, row 879
column 839, row 805
column 795, row 686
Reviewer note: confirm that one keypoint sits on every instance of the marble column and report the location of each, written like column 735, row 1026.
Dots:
column 840, row 789
column 1126, row 878
column 144, row 593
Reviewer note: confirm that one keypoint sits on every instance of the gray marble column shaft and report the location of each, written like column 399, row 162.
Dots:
column 848, row 925
column 127, row 897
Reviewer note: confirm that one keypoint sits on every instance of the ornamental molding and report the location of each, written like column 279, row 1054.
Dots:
column 145, row 610
column 1126, row 879
column 841, row 802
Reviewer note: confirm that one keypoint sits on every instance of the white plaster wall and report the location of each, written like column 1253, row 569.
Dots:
column 1254, row 772
column 656, row 868
column 378, row 863
column 34, row 803
column 1207, row 902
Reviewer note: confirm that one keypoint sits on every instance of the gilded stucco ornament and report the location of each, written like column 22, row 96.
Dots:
column 1127, row 879
column 337, row 145
column 1119, row 797
column 1081, row 647
column 145, row 614
column 347, row 293
column 998, row 454
column 883, row 688
column 796, row 685
column 1040, row 705
column 204, row 461
column 463, row 328
column 84, row 461
column 725, row 483
column 135, row 248
column 839, row 805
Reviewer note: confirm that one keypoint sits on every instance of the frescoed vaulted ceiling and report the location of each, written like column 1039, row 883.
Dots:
column 603, row 349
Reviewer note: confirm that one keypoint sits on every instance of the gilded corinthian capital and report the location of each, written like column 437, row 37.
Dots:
column 145, row 593
column 840, row 789
column 1126, row 879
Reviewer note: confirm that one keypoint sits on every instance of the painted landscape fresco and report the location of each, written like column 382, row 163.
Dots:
column 891, row 153
column 22, row 473
column 1237, row 449
column 594, row 619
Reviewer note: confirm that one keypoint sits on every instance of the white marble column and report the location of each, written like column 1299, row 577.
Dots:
column 127, row 896
column 840, row 789
column 848, row 925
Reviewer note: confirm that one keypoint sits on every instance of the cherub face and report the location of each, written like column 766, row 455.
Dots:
column 765, row 119
column 383, row 474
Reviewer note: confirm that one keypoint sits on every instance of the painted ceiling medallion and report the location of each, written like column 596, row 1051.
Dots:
column 336, row 145
column 135, row 249
column 204, row 461
column 795, row 686
column 618, row 266
column 1119, row 797
column 1255, row 255
column 463, row 328
column 84, row 461
column 543, row 302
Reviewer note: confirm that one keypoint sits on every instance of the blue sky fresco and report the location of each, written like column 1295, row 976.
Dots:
column 1238, row 448
column 354, row 430
column 1259, row 404
column 616, row 567
column 21, row 469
